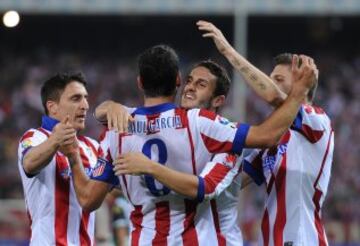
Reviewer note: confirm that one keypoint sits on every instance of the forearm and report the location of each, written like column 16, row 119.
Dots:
column 90, row 193
column 271, row 130
column 182, row 183
column 39, row 156
column 260, row 83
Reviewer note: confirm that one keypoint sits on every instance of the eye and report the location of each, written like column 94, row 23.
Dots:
column 202, row 84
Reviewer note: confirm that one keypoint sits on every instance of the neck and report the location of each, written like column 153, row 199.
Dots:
column 152, row 101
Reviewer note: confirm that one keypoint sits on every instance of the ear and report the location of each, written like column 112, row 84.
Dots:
column 178, row 80
column 52, row 107
column 139, row 83
column 218, row 101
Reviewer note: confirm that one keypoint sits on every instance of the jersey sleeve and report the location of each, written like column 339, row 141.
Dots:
column 30, row 139
column 310, row 122
column 103, row 170
column 218, row 175
column 253, row 166
column 219, row 135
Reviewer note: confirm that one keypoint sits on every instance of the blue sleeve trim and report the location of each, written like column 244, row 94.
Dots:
column 255, row 174
column 103, row 171
column 201, row 190
column 296, row 125
column 240, row 137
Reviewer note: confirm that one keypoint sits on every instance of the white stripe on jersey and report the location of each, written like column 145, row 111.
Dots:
column 56, row 215
column 300, row 168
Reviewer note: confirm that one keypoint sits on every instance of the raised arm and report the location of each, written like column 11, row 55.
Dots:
column 256, row 79
column 40, row 156
column 114, row 115
column 270, row 131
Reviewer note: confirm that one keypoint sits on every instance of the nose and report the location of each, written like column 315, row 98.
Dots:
column 190, row 86
column 84, row 104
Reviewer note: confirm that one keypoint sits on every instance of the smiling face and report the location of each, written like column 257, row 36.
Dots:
column 73, row 102
column 199, row 89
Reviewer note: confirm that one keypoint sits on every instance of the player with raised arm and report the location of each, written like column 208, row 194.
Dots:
column 159, row 215
column 297, row 171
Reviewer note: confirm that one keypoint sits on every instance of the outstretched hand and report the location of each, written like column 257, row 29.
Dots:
column 211, row 31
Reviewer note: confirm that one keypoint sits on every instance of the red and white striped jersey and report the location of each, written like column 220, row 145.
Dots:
column 182, row 140
column 296, row 174
column 55, row 214
column 222, row 184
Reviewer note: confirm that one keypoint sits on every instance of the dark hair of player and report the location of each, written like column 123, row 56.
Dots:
column 52, row 88
column 222, row 79
column 158, row 70
column 286, row 59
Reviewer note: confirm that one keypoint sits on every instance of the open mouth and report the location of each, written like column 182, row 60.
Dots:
column 80, row 117
column 189, row 96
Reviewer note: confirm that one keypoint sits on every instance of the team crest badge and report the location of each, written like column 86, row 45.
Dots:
column 99, row 168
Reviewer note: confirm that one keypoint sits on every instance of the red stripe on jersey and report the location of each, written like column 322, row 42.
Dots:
column 30, row 221
column 215, row 146
column 185, row 122
column 316, row 199
column 215, row 176
column 189, row 235
column 89, row 144
column 207, row 114
column 309, row 109
column 312, row 135
column 162, row 220
column 149, row 118
column 318, row 224
column 136, row 218
column 103, row 134
column 44, row 131
column 280, row 220
column 84, row 235
column 62, row 189
column 27, row 135
column 219, row 235
column 265, row 228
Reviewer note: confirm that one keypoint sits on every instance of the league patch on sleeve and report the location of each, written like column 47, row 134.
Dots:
column 26, row 143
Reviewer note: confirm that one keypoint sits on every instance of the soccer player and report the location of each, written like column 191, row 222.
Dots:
column 175, row 137
column 296, row 173
column 56, row 216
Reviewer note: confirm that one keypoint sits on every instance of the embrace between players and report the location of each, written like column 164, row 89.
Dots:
column 180, row 167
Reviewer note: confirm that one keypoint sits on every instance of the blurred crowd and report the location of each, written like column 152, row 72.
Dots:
column 112, row 77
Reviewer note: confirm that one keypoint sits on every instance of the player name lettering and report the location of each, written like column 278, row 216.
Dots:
column 154, row 125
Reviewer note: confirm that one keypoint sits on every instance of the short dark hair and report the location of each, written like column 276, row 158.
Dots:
column 54, row 87
column 286, row 59
column 158, row 69
column 222, row 78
